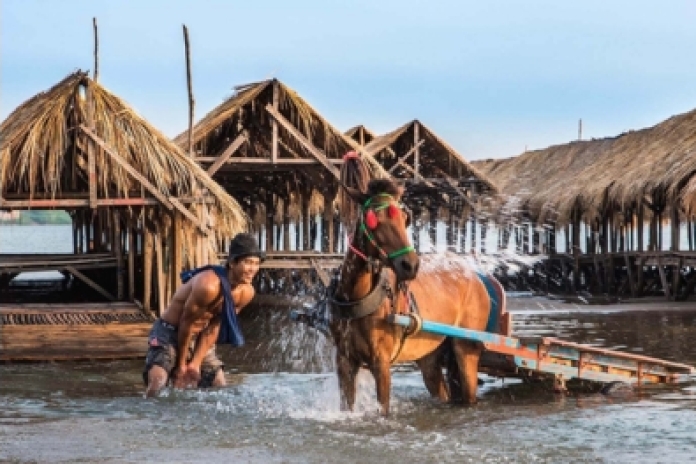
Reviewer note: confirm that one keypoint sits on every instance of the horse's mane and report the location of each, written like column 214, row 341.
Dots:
column 354, row 174
column 384, row 186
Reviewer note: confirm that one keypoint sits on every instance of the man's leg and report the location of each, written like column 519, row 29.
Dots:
column 212, row 371
column 157, row 378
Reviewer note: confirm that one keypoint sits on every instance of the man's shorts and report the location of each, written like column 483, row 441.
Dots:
column 163, row 351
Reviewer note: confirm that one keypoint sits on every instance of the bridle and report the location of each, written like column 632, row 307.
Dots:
column 369, row 222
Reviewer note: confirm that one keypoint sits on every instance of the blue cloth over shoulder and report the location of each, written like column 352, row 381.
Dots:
column 230, row 332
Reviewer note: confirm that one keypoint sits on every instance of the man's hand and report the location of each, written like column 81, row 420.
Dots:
column 187, row 377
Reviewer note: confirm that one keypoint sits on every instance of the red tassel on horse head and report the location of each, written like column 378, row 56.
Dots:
column 371, row 220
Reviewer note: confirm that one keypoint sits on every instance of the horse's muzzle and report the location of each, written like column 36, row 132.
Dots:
column 406, row 266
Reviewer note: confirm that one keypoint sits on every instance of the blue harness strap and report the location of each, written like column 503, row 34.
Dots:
column 230, row 332
column 494, row 315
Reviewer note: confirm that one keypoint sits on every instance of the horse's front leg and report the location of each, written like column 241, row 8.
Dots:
column 381, row 371
column 347, row 372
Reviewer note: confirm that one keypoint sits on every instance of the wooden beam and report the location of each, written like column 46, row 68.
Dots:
column 118, row 252
column 401, row 160
column 128, row 168
column 314, row 151
column 274, row 123
column 91, row 156
column 227, row 154
column 89, row 282
column 461, row 192
column 169, row 203
column 321, row 273
column 416, row 158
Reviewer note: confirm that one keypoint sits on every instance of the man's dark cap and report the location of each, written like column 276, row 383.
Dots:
column 244, row 245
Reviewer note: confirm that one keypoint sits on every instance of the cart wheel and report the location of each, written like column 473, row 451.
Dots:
column 617, row 388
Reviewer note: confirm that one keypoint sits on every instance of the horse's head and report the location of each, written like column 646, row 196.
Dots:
column 381, row 228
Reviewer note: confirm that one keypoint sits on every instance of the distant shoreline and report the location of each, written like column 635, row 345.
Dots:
column 36, row 218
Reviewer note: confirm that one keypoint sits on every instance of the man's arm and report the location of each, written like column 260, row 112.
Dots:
column 206, row 340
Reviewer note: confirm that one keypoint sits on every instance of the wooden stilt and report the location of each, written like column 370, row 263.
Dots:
column 118, row 253
column 161, row 280
column 131, row 259
column 177, row 264
column 148, row 248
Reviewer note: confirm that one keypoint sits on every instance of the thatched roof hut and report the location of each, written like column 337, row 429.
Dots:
column 588, row 177
column 267, row 146
column 429, row 166
column 535, row 179
column 44, row 155
column 361, row 134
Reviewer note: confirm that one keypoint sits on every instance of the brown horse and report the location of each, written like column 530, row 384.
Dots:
column 379, row 264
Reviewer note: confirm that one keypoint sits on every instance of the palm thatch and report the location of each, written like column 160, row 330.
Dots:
column 245, row 110
column 43, row 152
column 534, row 180
column 361, row 134
column 437, row 158
column 657, row 162
column 591, row 177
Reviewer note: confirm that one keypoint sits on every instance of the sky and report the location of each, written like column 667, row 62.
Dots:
column 492, row 77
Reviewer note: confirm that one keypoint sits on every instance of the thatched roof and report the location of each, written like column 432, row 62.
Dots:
column 245, row 110
column 536, row 178
column 436, row 156
column 43, row 151
column 588, row 176
column 361, row 134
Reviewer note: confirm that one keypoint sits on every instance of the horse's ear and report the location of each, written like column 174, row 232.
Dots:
column 359, row 197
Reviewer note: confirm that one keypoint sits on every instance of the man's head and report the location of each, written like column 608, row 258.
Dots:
column 244, row 258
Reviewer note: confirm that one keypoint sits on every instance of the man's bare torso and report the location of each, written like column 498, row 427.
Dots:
column 174, row 312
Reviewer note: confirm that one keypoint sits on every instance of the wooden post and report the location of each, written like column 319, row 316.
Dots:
column 674, row 223
column 118, row 253
column 306, row 233
column 473, row 230
column 131, row 259
column 576, row 251
column 161, row 281
column 462, row 231
column 148, row 246
column 416, row 155
column 274, row 123
column 640, row 220
column 327, row 225
column 95, row 75
column 432, row 229
column 451, row 231
column 177, row 264
column 286, row 222
column 417, row 225
column 269, row 221
column 189, row 85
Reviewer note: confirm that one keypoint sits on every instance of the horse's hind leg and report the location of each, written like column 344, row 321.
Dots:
column 347, row 373
column 431, row 369
column 468, row 354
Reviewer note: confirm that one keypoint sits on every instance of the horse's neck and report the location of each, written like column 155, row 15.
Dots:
column 356, row 278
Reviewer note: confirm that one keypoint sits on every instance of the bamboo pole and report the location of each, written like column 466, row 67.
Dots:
column 148, row 246
column 161, row 280
column 95, row 75
column 176, row 262
column 131, row 259
column 118, row 253
column 274, row 124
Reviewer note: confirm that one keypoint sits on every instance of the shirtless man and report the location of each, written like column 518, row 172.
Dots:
column 182, row 341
